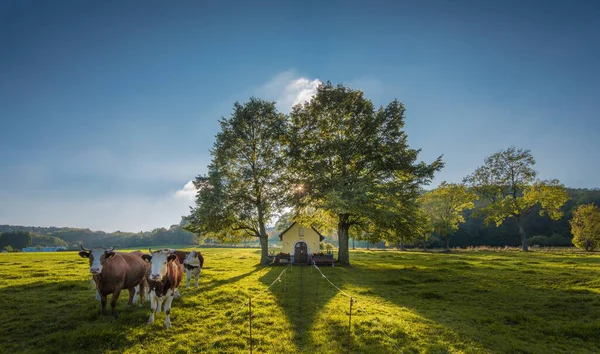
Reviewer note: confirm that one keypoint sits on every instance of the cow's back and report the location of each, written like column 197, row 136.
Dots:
column 176, row 270
column 180, row 255
column 200, row 258
column 138, row 268
column 123, row 270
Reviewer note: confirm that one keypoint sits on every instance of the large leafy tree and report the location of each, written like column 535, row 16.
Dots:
column 346, row 157
column 401, row 223
column 444, row 206
column 507, row 181
column 16, row 239
column 585, row 227
column 243, row 188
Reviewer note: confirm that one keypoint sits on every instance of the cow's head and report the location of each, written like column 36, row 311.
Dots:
column 98, row 257
column 159, row 261
column 192, row 259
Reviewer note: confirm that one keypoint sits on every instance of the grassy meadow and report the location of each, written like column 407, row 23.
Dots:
column 409, row 302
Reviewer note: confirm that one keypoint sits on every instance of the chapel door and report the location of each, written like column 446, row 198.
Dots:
column 301, row 252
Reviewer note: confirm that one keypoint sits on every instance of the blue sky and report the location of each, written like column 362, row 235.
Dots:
column 108, row 109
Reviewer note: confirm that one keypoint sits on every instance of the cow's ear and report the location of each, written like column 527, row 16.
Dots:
column 171, row 257
column 147, row 257
column 84, row 254
column 109, row 255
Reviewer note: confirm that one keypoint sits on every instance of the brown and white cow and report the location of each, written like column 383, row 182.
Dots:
column 115, row 271
column 180, row 254
column 165, row 276
column 193, row 264
column 191, row 270
column 138, row 297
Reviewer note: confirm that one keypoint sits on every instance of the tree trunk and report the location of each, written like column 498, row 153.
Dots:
column 401, row 244
column 343, row 227
column 523, row 236
column 353, row 244
column 448, row 243
column 264, row 249
column 263, row 237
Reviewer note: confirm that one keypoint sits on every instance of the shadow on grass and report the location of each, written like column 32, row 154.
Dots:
column 487, row 303
column 58, row 317
column 302, row 296
column 215, row 283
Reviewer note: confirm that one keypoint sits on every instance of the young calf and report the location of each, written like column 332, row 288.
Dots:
column 193, row 263
column 165, row 276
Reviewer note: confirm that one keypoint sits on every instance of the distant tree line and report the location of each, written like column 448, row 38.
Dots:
column 474, row 231
column 19, row 237
column 543, row 230
column 13, row 240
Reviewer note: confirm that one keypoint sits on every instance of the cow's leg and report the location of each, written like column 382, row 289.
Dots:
column 103, row 303
column 142, row 292
column 198, row 276
column 133, row 295
column 153, row 303
column 188, row 276
column 168, row 302
column 146, row 290
column 113, row 301
column 137, row 297
column 160, row 302
column 93, row 284
column 177, row 294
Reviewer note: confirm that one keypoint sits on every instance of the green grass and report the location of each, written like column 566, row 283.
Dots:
column 462, row 302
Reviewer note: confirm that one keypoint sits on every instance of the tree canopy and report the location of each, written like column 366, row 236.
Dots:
column 508, row 182
column 585, row 226
column 15, row 239
column 244, row 184
column 445, row 205
column 347, row 158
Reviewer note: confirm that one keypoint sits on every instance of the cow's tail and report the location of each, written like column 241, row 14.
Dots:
column 144, row 291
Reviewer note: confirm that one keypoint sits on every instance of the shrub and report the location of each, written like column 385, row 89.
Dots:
column 538, row 240
column 559, row 240
column 554, row 240
column 585, row 227
column 326, row 246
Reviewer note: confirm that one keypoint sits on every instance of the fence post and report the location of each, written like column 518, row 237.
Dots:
column 250, row 307
column 317, row 287
column 301, row 289
column 350, row 326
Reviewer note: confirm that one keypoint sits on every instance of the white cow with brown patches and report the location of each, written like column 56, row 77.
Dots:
column 193, row 264
column 165, row 276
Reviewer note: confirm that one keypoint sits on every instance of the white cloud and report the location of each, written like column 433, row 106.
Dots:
column 187, row 192
column 288, row 89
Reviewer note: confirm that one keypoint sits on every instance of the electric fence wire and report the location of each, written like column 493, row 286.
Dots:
column 245, row 305
column 357, row 303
